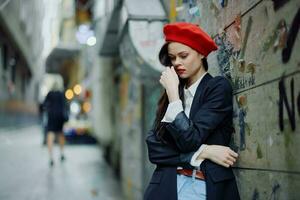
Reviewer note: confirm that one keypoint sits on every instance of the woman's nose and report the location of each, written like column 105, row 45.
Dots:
column 177, row 62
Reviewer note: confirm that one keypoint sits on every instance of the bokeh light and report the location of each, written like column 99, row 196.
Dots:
column 77, row 89
column 86, row 106
column 69, row 94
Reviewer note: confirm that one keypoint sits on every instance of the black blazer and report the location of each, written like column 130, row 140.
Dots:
column 210, row 122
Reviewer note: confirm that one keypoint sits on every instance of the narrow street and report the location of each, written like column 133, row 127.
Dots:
column 26, row 175
column 98, row 71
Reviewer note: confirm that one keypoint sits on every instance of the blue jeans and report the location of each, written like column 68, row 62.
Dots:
column 189, row 188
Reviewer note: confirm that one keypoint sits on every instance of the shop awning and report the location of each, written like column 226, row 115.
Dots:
column 58, row 55
column 138, row 35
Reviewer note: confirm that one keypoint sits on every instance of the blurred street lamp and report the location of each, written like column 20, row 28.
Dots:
column 75, row 108
column 86, row 106
column 85, row 35
column 69, row 94
column 91, row 41
column 77, row 89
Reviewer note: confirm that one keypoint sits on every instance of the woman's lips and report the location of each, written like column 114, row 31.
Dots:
column 180, row 71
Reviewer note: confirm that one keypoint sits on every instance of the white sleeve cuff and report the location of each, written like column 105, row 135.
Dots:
column 173, row 109
column 197, row 162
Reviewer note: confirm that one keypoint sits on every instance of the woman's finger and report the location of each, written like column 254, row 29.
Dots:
column 232, row 159
column 232, row 153
column 166, row 73
column 224, row 164
column 228, row 163
column 174, row 72
column 161, row 78
column 161, row 81
column 221, row 160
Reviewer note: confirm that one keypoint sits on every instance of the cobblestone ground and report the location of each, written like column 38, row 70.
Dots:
column 25, row 173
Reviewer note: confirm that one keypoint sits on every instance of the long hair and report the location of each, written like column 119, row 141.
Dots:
column 159, row 127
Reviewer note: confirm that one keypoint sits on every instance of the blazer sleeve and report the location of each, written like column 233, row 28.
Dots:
column 163, row 154
column 188, row 134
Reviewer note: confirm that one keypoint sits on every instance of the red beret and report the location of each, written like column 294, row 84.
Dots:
column 191, row 35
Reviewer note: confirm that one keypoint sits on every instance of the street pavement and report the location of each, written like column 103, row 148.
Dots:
column 25, row 173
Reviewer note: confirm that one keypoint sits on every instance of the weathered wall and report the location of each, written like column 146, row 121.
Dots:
column 257, row 51
column 258, row 47
column 131, row 137
column 140, row 42
column 102, row 100
column 138, row 85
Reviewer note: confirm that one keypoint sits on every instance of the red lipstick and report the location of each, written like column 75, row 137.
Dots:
column 180, row 71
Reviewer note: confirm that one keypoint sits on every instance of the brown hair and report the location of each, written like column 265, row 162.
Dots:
column 166, row 61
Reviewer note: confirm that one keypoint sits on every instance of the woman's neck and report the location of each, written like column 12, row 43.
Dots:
column 195, row 77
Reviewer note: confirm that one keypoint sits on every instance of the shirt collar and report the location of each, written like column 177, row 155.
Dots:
column 192, row 89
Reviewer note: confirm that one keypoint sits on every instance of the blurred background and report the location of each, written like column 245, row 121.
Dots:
column 103, row 54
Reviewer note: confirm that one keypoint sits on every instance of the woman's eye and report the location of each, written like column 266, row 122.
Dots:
column 183, row 56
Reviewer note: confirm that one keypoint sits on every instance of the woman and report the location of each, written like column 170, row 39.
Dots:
column 56, row 112
column 196, row 109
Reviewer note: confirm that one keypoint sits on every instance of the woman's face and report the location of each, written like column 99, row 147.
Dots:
column 186, row 61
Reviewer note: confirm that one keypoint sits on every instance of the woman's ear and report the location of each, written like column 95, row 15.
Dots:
column 201, row 56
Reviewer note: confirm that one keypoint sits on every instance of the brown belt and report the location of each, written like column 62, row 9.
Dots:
column 189, row 172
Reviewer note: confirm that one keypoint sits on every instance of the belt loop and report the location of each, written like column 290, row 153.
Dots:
column 194, row 174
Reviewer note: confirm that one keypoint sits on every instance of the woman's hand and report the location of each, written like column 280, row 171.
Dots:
column 170, row 81
column 218, row 154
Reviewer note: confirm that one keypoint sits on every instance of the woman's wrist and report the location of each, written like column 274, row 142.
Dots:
column 173, row 95
column 205, row 153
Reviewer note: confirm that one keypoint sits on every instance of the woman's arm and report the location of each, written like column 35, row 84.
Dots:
column 190, row 135
column 218, row 154
column 163, row 154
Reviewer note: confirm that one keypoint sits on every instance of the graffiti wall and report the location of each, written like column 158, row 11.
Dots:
column 258, row 52
column 139, row 91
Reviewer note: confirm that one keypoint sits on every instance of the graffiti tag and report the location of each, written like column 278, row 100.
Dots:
column 290, row 107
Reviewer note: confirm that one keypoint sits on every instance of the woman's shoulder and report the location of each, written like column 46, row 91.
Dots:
column 220, row 82
column 219, row 79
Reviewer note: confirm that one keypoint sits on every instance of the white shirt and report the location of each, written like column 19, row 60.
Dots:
column 175, row 107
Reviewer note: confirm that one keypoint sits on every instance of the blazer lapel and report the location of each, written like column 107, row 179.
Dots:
column 197, row 101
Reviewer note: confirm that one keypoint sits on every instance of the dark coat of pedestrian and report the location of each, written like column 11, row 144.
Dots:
column 55, row 107
column 56, row 110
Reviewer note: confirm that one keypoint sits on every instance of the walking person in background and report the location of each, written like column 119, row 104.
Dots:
column 55, row 107
column 193, row 125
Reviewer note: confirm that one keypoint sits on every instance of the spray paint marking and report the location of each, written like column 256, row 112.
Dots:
column 283, row 101
column 287, row 51
column 229, row 52
column 298, row 104
column 248, row 28
column 255, row 195
column 224, row 53
column 242, row 114
column 279, row 3
column 223, row 3
column 275, row 188
column 242, row 101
